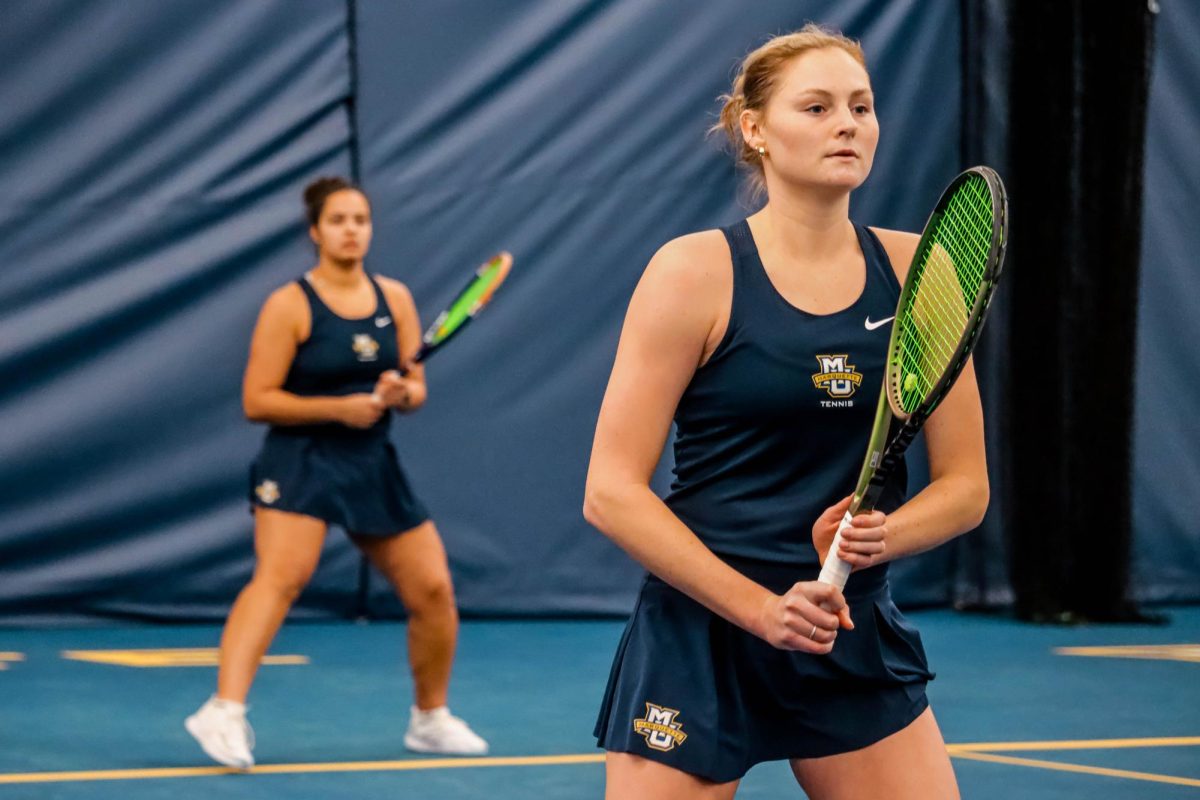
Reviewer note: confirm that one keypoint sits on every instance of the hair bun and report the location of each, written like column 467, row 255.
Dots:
column 317, row 192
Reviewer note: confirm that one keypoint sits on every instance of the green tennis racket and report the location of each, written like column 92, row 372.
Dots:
column 465, row 307
column 942, row 309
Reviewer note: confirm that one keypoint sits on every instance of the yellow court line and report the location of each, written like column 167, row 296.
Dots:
column 1163, row 652
column 168, row 657
column 297, row 769
column 1080, row 744
column 1063, row 767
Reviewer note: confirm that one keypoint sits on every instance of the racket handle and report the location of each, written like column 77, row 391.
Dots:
column 836, row 571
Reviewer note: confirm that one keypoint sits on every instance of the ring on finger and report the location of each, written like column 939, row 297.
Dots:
column 813, row 635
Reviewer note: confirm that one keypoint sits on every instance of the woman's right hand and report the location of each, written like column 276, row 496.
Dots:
column 360, row 410
column 805, row 618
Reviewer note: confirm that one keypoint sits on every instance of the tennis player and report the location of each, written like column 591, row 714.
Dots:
column 765, row 343
column 323, row 374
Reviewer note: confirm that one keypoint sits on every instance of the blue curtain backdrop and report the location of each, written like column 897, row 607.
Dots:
column 152, row 159
column 153, row 156
column 1166, row 444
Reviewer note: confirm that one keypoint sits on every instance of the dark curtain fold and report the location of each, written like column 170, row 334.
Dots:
column 1079, row 84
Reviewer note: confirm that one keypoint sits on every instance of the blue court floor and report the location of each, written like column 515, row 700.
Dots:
column 1101, row 712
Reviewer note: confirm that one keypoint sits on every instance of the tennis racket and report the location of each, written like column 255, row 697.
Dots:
column 465, row 307
column 942, row 309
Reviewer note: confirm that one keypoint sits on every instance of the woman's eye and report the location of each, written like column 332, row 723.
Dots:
column 815, row 109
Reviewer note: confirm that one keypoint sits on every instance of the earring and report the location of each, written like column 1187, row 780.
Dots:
column 762, row 151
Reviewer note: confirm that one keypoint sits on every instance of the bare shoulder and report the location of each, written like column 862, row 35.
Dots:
column 694, row 263
column 286, row 303
column 284, row 314
column 393, row 289
column 900, row 247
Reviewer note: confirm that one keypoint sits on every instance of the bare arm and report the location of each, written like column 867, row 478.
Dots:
column 669, row 322
column 956, row 498
column 403, row 392
column 276, row 335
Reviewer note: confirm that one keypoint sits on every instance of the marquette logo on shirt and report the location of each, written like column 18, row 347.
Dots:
column 267, row 491
column 659, row 728
column 837, row 378
column 366, row 347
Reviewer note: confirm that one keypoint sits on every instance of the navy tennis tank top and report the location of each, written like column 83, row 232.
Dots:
column 771, row 431
column 340, row 357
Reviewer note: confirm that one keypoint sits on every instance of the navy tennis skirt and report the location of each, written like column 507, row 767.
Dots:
column 695, row 692
column 353, row 481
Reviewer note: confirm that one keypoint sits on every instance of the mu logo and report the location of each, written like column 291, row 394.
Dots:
column 659, row 727
column 837, row 377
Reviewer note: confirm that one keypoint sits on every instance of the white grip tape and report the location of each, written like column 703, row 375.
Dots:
column 836, row 571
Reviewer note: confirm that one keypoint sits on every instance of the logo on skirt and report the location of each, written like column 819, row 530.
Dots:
column 267, row 491
column 659, row 728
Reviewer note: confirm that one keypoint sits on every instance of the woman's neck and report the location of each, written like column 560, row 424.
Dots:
column 805, row 227
column 338, row 273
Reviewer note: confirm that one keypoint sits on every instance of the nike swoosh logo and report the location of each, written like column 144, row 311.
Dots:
column 382, row 322
column 873, row 325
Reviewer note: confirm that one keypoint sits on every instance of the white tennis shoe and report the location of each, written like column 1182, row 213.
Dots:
column 221, row 728
column 438, row 731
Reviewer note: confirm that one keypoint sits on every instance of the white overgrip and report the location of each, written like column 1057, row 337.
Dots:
column 835, row 571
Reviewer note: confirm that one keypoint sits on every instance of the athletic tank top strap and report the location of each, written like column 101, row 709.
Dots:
column 750, row 286
column 748, row 274
column 741, row 243
column 314, row 300
column 879, row 264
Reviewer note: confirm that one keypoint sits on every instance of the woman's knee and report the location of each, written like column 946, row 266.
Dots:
column 285, row 582
column 430, row 595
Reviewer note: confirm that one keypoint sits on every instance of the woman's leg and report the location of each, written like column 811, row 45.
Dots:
column 287, row 547
column 414, row 563
column 911, row 764
column 629, row 777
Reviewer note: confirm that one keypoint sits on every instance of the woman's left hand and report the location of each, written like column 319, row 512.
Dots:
column 394, row 390
column 863, row 540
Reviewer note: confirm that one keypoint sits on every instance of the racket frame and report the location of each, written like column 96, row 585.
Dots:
column 886, row 448
column 429, row 343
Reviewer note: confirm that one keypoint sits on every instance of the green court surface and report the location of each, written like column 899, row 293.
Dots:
column 1038, row 713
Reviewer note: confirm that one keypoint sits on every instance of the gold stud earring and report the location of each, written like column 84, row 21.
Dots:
column 762, row 151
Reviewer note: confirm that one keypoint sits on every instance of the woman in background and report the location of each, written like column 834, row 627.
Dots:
column 324, row 373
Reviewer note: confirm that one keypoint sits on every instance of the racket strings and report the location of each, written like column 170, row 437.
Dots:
column 929, row 333
column 950, row 274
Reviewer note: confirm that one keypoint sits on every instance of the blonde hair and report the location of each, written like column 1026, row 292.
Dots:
column 756, row 81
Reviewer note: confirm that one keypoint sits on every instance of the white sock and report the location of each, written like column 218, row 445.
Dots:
column 430, row 714
column 228, row 705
